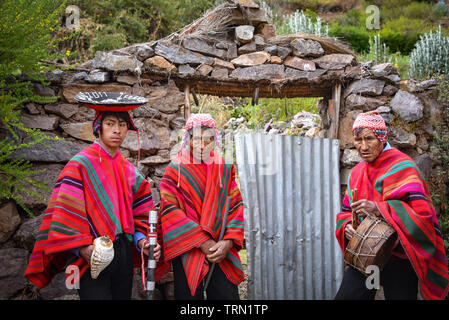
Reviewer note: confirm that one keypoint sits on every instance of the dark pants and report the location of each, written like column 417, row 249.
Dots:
column 220, row 288
column 115, row 282
column 398, row 280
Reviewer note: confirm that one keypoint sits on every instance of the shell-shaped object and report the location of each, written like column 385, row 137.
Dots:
column 101, row 256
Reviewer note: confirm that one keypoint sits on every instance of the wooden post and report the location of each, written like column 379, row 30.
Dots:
column 187, row 109
column 195, row 98
column 334, row 111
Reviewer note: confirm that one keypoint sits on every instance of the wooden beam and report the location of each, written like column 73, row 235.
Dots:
column 187, row 108
column 255, row 99
column 334, row 110
column 195, row 98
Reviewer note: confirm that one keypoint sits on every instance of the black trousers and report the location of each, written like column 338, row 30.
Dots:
column 220, row 288
column 398, row 280
column 115, row 282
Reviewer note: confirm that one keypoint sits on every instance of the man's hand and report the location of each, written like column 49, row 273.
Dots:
column 219, row 251
column 349, row 231
column 364, row 207
column 146, row 251
column 206, row 245
column 86, row 252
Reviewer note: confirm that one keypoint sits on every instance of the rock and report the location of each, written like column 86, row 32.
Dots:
column 423, row 143
column 356, row 101
column 261, row 72
column 283, row 52
column 368, row 87
column 300, row 64
column 177, row 123
column 154, row 135
column 185, row 69
column 9, row 220
column 127, row 79
column 41, row 122
column 14, row 262
column 272, row 50
column 306, row 120
column 424, row 163
column 384, row 69
column 251, row 59
column 143, row 52
column 84, row 114
column 345, row 129
column 57, row 289
column 40, row 90
column 201, row 46
column 295, row 74
column 259, row 41
column 350, row 157
column 247, row 4
column 180, row 55
column 335, row 61
column 220, row 73
column 407, row 106
column 28, row 231
column 203, row 70
column 55, row 76
column 160, row 63
column 232, row 51
column 64, row 110
column 58, row 151
column 266, row 30
column 80, row 75
column 166, row 99
column 275, row 60
column 34, row 108
column 218, row 63
column 247, row 48
column 97, row 76
column 155, row 160
column 424, row 85
column 312, row 132
column 49, row 176
column 116, row 61
column 306, row 48
column 254, row 15
column 401, row 138
column 244, row 33
column 69, row 91
column 389, row 90
column 146, row 112
column 79, row 130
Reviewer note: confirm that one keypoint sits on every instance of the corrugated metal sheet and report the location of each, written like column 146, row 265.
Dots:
column 291, row 190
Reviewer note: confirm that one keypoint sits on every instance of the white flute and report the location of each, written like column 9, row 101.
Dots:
column 152, row 239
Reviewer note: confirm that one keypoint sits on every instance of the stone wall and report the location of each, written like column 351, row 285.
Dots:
column 159, row 122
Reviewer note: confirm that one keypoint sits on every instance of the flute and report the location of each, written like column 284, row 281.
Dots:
column 152, row 239
column 355, row 218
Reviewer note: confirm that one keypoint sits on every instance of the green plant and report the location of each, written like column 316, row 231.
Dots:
column 430, row 56
column 299, row 21
column 27, row 29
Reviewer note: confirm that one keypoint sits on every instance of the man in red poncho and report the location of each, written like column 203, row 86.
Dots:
column 391, row 187
column 98, row 193
column 193, row 198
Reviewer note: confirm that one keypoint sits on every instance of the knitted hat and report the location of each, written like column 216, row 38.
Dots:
column 198, row 120
column 371, row 120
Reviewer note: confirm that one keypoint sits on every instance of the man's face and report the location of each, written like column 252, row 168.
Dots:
column 201, row 144
column 368, row 145
column 113, row 131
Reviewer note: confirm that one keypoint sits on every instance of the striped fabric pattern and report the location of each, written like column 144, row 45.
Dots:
column 395, row 183
column 95, row 195
column 193, row 212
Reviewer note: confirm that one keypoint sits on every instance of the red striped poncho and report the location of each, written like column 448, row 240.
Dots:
column 395, row 183
column 192, row 212
column 95, row 195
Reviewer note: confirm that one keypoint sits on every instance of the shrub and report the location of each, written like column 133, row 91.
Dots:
column 26, row 28
column 430, row 56
column 301, row 22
